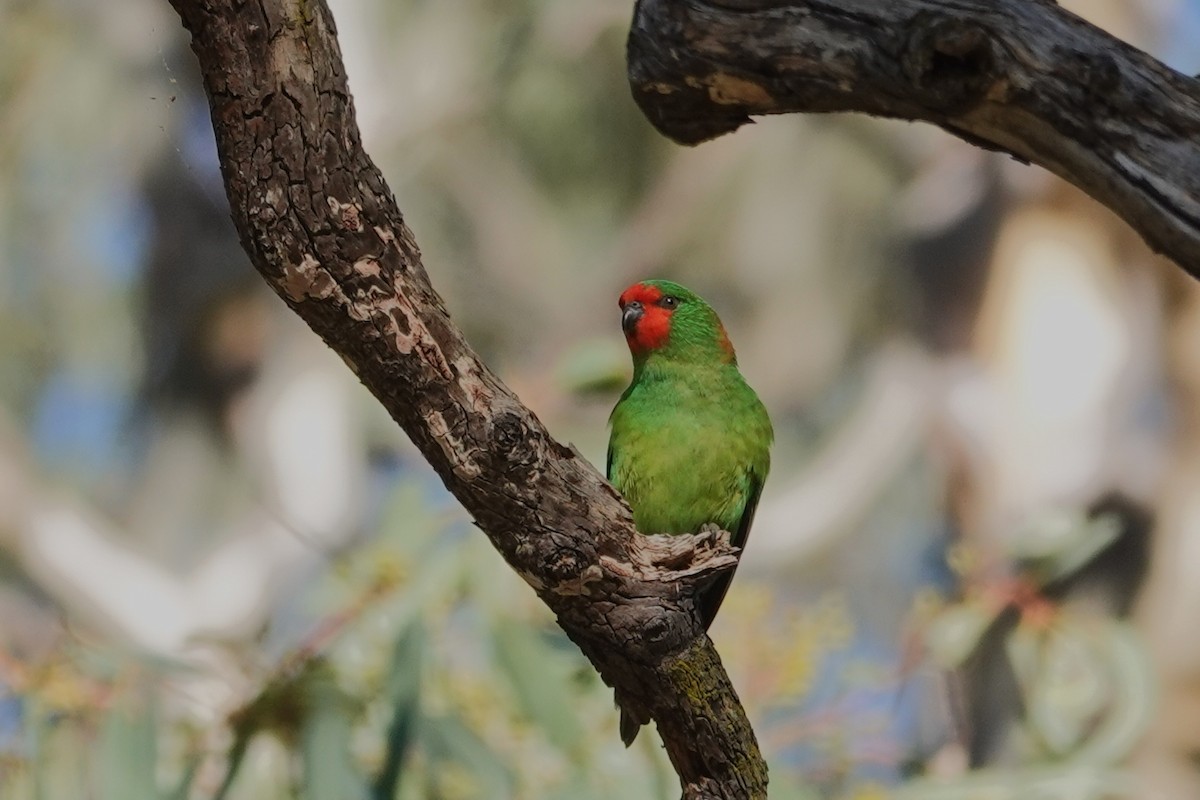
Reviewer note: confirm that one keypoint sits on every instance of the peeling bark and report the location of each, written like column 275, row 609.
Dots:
column 1022, row 76
column 320, row 224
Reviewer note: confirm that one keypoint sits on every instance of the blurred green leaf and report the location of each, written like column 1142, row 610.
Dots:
column 282, row 707
column 233, row 759
column 1024, row 783
column 458, row 754
column 403, row 692
column 1057, row 544
column 183, row 788
column 786, row 786
column 1024, row 650
column 59, row 757
column 1132, row 694
column 329, row 770
column 127, row 754
column 542, row 682
column 954, row 633
column 1071, row 688
column 595, row 366
column 1088, row 686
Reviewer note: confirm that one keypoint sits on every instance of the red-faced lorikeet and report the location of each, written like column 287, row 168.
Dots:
column 691, row 441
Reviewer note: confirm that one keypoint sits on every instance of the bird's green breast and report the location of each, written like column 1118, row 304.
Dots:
column 688, row 447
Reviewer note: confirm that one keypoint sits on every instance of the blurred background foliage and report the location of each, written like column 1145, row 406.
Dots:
column 224, row 573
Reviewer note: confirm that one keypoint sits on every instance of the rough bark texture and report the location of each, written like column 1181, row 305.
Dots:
column 322, row 227
column 1021, row 76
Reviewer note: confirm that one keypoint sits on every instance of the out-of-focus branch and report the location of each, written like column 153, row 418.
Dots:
column 896, row 409
column 322, row 227
column 98, row 576
column 1022, row 76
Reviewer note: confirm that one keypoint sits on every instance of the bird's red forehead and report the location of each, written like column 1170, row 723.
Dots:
column 653, row 328
column 645, row 293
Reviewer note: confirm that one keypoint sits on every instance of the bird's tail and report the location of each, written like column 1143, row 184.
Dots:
column 629, row 728
column 631, row 721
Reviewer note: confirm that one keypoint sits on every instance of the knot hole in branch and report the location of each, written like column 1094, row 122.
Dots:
column 1096, row 73
column 953, row 63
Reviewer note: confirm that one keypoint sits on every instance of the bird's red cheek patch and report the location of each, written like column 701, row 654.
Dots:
column 651, row 331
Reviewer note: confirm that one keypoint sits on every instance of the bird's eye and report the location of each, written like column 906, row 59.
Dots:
column 669, row 301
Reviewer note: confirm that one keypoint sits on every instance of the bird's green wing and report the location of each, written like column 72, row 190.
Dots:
column 743, row 530
column 710, row 600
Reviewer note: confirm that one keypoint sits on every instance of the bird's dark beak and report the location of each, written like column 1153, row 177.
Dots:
column 630, row 315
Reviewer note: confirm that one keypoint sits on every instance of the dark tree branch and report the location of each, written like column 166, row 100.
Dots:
column 1022, row 76
column 322, row 227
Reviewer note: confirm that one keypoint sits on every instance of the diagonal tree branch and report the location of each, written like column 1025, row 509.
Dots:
column 1022, row 76
column 321, row 226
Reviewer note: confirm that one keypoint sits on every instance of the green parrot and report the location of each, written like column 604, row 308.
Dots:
column 691, row 441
